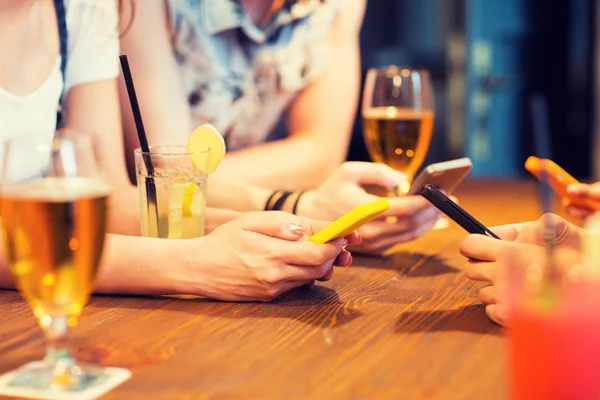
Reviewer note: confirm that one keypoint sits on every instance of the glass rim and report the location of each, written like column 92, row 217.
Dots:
column 169, row 153
column 396, row 69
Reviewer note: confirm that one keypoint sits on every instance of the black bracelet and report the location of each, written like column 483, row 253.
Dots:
column 280, row 201
column 296, row 202
column 268, row 203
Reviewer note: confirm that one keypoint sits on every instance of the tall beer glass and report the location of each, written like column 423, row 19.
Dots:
column 398, row 114
column 53, row 200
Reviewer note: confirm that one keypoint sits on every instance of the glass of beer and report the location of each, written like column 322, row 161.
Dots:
column 172, row 191
column 397, row 113
column 53, row 204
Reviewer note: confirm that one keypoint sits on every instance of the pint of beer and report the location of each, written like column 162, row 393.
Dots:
column 398, row 116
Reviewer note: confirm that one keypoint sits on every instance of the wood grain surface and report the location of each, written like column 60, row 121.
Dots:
column 407, row 326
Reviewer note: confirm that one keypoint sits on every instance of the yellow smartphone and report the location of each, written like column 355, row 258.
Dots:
column 351, row 221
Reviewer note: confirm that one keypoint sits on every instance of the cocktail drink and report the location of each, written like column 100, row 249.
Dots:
column 554, row 333
column 172, row 192
column 554, row 349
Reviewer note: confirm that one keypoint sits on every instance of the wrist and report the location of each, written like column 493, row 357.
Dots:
column 258, row 198
column 135, row 265
column 284, row 201
column 187, row 273
column 305, row 205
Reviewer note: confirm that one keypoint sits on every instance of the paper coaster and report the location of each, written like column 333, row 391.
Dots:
column 108, row 379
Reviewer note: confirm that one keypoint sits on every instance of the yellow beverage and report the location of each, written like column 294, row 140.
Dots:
column 180, row 206
column 398, row 137
column 54, row 232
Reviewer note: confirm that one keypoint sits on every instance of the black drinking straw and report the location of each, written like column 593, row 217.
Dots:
column 541, row 136
column 139, row 124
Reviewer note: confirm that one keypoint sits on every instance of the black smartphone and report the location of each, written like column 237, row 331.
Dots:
column 454, row 211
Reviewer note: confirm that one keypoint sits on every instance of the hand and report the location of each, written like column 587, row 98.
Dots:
column 262, row 255
column 412, row 215
column 489, row 260
column 583, row 200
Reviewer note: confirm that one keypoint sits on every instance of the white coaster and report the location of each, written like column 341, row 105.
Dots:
column 109, row 379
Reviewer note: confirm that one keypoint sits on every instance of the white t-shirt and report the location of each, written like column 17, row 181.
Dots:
column 93, row 50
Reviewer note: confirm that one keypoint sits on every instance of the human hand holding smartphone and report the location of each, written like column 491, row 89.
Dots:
column 350, row 221
column 454, row 211
column 559, row 180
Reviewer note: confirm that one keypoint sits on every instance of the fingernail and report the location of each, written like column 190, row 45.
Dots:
column 345, row 243
column 297, row 230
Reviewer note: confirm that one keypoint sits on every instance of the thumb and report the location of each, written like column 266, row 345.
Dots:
column 372, row 173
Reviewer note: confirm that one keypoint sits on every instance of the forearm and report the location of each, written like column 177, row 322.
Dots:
column 124, row 215
column 237, row 197
column 139, row 265
column 295, row 163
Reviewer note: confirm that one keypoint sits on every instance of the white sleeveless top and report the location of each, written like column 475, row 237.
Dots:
column 93, row 49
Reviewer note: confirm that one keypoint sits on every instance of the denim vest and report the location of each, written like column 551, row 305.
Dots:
column 241, row 78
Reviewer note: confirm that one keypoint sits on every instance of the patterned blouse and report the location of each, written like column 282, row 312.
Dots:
column 241, row 78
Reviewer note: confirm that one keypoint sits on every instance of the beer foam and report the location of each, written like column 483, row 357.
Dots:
column 58, row 189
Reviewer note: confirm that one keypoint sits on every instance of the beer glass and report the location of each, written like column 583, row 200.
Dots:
column 398, row 114
column 53, row 203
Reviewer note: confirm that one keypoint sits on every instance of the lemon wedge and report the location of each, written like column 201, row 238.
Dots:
column 203, row 138
column 186, row 204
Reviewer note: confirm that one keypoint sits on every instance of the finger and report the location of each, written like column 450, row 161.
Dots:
column 328, row 275
column 421, row 221
column 578, row 212
column 406, row 206
column 344, row 259
column 585, row 191
column 488, row 295
column 354, row 238
column 381, row 244
column 302, row 273
column 481, row 271
column 493, row 312
column 305, row 253
column 509, row 232
column 480, row 247
column 367, row 173
column 566, row 233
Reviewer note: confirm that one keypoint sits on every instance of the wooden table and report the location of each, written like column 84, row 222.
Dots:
column 405, row 327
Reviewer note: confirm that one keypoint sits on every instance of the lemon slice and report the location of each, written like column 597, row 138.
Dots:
column 203, row 138
column 186, row 204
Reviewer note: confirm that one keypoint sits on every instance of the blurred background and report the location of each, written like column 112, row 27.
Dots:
column 486, row 58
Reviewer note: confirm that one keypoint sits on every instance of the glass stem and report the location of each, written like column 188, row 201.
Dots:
column 56, row 329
